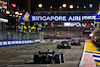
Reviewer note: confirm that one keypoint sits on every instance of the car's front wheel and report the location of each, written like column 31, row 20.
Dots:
column 79, row 44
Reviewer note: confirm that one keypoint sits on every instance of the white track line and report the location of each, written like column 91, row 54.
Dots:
column 82, row 56
column 28, row 65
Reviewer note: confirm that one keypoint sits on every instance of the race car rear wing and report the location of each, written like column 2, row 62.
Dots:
column 46, row 52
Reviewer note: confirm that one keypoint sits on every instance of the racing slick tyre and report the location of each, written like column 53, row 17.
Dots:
column 39, row 52
column 62, row 58
column 69, row 46
column 58, row 59
column 36, row 59
column 58, row 46
column 71, row 43
column 79, row 44
column 53, row 52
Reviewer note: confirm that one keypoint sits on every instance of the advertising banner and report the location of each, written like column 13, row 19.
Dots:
column 56, row 18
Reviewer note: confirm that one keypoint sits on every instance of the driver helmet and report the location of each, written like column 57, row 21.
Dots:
column 49, row 49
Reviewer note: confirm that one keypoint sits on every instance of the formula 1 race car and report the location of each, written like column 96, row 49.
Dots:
column 49, row 57
column 82, row 40
column 76, row 42
column 64, row 45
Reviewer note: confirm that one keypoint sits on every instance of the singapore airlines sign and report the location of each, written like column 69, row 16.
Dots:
column 56, row 18
column 48, row 18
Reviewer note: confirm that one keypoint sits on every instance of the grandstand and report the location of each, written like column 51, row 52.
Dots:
column 63, row 32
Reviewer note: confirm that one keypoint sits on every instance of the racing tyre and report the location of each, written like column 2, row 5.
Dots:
column 69, row 46
column 58, row 46
column 36, row 59
column 79, row 44
column 39, row 52
column 71, row 43
column 53, row 52
column 62, row 58
column 58, row 59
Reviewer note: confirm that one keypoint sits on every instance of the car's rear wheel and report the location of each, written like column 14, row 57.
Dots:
column 62, row 58
column 58, row 59
column 58, row 46
column 69, row 46
column 36, row 59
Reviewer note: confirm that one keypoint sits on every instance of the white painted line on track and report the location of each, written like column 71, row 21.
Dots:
column 28, row 66
column 80, row 65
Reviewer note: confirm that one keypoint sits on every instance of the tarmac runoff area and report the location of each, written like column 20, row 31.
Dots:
column 22, row 55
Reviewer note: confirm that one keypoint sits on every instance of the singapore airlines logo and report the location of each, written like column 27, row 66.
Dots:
column 26, row 16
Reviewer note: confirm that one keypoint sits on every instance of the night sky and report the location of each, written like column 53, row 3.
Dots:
column 55, row 3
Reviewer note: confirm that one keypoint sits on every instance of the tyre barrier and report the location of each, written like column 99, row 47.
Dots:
column 18, row 42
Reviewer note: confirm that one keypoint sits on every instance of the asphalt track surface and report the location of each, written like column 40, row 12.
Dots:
column 22, row 55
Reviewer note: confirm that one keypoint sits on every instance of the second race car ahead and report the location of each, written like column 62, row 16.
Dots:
column 64, row 45
column 76, row 42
